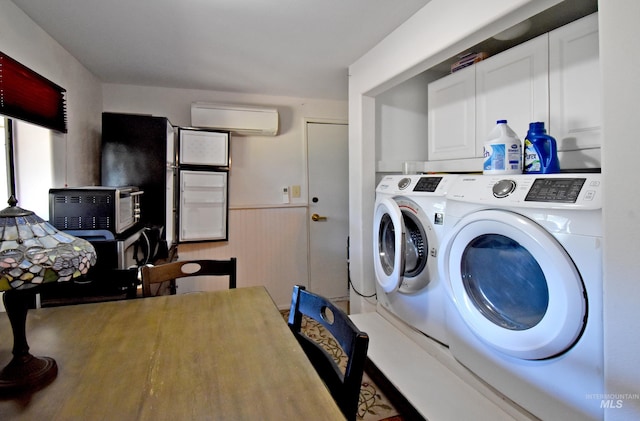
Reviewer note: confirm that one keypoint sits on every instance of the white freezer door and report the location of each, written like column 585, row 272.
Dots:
column 203, row 206
column 201, row 147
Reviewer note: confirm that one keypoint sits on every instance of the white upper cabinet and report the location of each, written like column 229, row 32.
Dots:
column 512, row 86
column 452, row 116
column 553, row 78
column 574, row 85
column 464, row 106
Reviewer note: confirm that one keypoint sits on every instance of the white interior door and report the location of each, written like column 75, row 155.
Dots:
column 328, row 167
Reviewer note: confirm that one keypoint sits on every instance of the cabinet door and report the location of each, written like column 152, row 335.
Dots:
column 575, row 102
column 513, row 86
column 203, row 206
column 452, row 116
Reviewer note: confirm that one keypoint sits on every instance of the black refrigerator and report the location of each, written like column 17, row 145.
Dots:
column 140, row 150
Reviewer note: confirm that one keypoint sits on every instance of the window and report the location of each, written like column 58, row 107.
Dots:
column 33, row 163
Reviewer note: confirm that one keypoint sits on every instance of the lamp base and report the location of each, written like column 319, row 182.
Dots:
column 27, row 373
column 24, row 373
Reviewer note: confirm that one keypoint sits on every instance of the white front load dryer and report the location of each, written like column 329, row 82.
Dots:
column 522, row 263
column 408, row 227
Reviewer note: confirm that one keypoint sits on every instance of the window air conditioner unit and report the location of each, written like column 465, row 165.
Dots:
column 238, row 119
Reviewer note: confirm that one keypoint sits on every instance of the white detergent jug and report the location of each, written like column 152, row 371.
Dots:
column 502, row 151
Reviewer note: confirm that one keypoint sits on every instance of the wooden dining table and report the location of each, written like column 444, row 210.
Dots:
column 224, row 355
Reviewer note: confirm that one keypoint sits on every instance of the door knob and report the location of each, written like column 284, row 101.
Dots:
column 316, row 217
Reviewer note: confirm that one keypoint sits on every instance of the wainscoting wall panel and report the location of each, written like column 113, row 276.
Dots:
column 271, row 245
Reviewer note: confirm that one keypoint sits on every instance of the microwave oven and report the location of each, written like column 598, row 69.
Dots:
column 115, row 209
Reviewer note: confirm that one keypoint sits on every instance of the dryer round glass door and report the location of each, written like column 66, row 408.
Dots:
column 402, row 235
column 514, row 285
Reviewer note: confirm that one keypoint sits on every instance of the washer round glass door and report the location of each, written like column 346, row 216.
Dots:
column 401, row 244
column 514, row 285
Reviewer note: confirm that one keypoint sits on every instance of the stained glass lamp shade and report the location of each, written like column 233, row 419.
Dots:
column 33, row 253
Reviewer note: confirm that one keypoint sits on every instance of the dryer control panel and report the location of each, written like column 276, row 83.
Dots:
column 576, row 191
column 564, row 190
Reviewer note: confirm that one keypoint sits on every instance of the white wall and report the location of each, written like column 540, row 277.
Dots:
column 77, row 152
column 401, row 124
column 270, row 245
column 619, row 32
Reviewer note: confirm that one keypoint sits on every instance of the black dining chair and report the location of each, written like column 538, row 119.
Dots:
column 344, row 386
column 181, row 269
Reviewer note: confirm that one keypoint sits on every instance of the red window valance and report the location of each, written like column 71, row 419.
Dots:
column 28, row 96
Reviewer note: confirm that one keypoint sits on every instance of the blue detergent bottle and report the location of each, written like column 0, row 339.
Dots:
column 540, row 151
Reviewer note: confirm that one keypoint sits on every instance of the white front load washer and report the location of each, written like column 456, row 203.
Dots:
column 522, row 264
column 408, row 227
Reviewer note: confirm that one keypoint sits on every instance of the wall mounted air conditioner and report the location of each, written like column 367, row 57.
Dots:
column 248, row 120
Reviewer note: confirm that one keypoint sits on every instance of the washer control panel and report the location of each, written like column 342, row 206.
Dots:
column 427, row 184
column 416, row 184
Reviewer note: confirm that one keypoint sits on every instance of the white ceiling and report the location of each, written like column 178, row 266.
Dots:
column 299, row 48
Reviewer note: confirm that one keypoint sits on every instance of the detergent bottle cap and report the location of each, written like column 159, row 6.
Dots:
column 537, row 127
